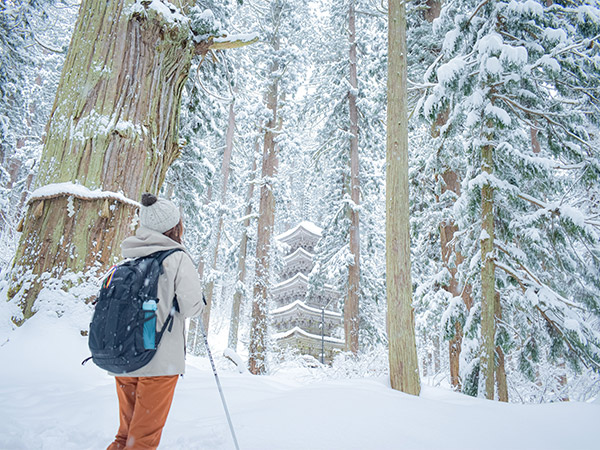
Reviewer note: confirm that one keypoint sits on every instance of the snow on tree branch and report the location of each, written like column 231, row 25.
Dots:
column 81, row 192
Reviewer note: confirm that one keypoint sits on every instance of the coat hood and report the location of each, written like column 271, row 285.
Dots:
column 145, row 242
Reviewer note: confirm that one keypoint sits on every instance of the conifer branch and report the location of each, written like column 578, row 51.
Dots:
column 481, row 5
column 45, row 47
column 542, row 205
column 589, row 360
column 532, row 281
column 513, row 104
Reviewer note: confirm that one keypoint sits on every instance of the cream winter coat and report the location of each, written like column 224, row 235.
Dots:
column 179, row 278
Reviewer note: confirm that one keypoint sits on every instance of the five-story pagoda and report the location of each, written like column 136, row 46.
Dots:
column 304, row 322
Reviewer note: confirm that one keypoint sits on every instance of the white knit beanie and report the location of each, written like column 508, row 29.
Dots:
column 158, row 214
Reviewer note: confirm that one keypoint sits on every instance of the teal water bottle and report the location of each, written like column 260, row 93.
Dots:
column 149, row 307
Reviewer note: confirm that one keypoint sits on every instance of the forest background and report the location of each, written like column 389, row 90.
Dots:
column 503, row 105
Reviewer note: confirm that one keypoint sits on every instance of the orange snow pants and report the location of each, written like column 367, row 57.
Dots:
column 144, row 404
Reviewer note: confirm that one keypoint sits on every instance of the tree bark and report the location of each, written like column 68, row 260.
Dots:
column 266, row 216
column 562, row 381
column 447, row 230
column 432, row 12
column 195, row 333
column 535, row 143
column 241, row 269
column 225, row 175
column 351, row 319
column 454, row 349
column 501, row 368
column 488, row 283
column 404, row 371
column 207, row 200
column 113, row 127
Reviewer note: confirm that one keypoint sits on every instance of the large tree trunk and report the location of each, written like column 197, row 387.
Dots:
column 209, row 290
column 404, row 370
column 241, row 269
column 113, row 127
column 266, row 217
column 351, row 321
column 488, row 280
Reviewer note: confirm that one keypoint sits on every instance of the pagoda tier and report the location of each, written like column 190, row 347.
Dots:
column 300, row 261
column 309, row 319
column 305, row 235
column 305, row 322
column 296, row 287
column 311, row 344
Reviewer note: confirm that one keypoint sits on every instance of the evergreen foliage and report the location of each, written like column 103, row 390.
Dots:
column 523, row 77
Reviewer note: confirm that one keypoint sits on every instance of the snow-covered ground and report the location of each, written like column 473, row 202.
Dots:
column 49, row 401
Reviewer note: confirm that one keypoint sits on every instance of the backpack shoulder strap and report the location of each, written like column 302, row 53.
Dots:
column 153, row 271
column 160, row 256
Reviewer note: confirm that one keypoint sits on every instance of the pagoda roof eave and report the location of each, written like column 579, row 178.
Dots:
column 298, row 279
column 300, row 305
column 306, row 335
column 303, row 227
column 300, row 253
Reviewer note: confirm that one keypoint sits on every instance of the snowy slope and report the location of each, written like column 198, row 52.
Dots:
column 49, row 401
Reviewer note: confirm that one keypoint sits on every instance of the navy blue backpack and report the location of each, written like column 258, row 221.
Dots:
column 123, row 335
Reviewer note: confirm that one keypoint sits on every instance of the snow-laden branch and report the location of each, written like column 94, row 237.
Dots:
column 45, row 47
column 225, row 42
column 526, row 279
column 576, row 216
column 55, row 190
column 545, row 115
column 481, row 5
column 561, row 210
column 218, row 97
column 530, row 284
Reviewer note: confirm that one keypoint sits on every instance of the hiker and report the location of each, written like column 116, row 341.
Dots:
column 145, row 394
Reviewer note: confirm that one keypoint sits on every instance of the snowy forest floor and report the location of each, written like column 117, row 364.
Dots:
column 49, row 401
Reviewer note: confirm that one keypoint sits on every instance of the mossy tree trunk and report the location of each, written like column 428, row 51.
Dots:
column 404, row 370
column 113, row 127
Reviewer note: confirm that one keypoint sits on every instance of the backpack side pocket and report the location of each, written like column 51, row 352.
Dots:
column 149, row 309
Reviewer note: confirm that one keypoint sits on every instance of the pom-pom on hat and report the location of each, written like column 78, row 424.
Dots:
column 158, row 214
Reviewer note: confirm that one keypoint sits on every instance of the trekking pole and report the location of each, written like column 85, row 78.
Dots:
column 212, row 363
